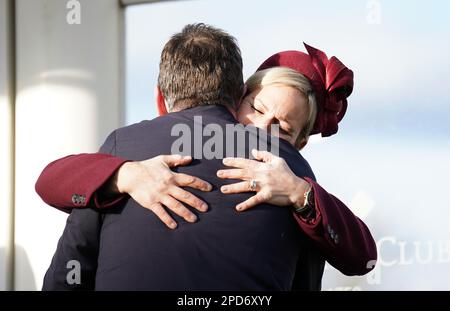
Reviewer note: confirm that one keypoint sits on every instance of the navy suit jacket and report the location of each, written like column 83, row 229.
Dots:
column 129, row 248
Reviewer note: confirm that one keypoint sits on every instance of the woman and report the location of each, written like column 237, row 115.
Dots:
column 276, row 96
column 302, row 94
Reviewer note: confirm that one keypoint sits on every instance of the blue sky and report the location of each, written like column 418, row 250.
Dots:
column 390, row 161
column 401, row 65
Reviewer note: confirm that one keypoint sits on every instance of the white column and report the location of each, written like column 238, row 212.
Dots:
column 69, row 97
column 6, row 144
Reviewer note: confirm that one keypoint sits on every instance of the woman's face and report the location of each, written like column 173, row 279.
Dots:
column 276, row 104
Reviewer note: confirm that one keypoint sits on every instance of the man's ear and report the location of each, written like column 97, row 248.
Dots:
column 160, row 102
column 301, row 143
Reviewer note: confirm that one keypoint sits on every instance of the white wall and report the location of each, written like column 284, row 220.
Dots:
column 6, row 147
column 69, row 97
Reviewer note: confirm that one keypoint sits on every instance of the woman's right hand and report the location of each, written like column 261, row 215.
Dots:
column 152, row 184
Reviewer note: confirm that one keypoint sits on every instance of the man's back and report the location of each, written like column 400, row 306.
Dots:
column 259, row 249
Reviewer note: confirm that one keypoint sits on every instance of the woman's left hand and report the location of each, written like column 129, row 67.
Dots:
column 275, row 182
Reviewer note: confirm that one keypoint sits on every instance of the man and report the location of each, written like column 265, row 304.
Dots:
column 135, row 252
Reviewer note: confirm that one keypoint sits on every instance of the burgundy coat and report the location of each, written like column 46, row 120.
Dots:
column 343, row 238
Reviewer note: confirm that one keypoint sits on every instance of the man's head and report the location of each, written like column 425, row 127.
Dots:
column 201, row 65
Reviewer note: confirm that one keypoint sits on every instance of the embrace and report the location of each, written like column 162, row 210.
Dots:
column 245, row 216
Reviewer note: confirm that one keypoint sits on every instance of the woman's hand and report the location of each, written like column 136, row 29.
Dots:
column 152, row 184
column 275, row 182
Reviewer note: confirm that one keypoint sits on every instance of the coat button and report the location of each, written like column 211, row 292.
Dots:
column 332, row 235
column 75, row 199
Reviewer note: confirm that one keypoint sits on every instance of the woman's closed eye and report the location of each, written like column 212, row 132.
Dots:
column 260, row 111
column 254, row 108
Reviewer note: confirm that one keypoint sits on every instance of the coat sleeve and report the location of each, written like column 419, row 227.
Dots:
column 74, row 181
column 74, row 264
column 343, row 238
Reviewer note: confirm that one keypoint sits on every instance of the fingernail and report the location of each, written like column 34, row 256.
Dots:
column 239, row 208
column 219, row 173
column 172, row 225
column 226, row 161
column 224, row 189
column 204, row 207
column 208, row 187
column 192, row 218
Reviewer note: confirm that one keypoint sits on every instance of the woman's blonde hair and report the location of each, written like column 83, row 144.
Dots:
column 288, row 77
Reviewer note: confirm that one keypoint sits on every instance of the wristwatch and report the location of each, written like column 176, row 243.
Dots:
column 308, row 204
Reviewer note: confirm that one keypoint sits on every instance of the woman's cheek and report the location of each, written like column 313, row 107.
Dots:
column 289, row 139
column 246, row 118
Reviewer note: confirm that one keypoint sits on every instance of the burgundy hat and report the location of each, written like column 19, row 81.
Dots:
column 330, row 79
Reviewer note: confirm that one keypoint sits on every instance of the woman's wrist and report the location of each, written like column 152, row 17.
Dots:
column 300, row 187
column 113, row 187
column 121, row 180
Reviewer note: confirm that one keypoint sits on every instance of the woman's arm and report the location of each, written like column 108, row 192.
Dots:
column 74, row 181
column 343, row 238
column 102, row 181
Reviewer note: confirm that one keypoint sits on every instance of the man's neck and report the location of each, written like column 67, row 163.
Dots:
column 230, row 109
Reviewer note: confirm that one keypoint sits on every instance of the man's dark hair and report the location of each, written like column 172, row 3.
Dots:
column 201, row 65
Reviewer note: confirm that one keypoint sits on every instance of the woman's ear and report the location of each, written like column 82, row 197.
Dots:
column 160, row 102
